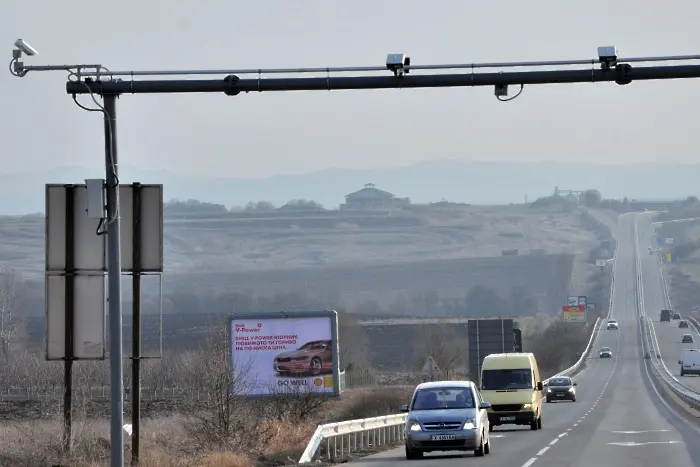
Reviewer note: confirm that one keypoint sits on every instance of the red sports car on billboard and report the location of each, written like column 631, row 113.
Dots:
column 315, row 358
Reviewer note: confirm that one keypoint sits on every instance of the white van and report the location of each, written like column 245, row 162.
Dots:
column 690, row 362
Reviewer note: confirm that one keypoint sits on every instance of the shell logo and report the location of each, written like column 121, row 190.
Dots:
column 318, row 382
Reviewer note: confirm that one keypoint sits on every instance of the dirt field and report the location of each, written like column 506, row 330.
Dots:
column 233, row 242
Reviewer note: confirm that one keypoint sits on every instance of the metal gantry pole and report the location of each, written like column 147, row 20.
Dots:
column 114, row 283
column 232, row 85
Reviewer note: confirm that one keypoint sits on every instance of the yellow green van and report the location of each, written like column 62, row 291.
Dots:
column 511, row 383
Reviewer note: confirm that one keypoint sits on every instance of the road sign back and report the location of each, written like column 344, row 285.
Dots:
column 431, row 368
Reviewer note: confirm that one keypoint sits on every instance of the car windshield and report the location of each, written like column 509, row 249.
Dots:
column 605, row 349
column 507, row 379
column 560, row 382
column 313, row 346
column 612, row 321
column 443, row 398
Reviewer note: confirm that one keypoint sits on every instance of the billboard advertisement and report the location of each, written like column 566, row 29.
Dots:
column 283, row 353
column 574, row 314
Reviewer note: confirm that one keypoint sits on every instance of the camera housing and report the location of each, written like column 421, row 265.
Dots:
column 607, row 56
column 25, row 48
column 397, row 64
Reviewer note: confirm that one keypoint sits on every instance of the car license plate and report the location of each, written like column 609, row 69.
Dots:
column 560, row 395
column 507, row 419
column 442, row 437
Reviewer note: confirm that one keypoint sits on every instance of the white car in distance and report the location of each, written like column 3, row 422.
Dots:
column 612, row 324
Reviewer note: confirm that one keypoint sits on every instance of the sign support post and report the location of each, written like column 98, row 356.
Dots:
column 69, row 321
column 136, row 330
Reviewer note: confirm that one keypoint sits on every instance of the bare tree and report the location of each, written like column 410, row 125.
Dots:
column 443, row 343
column 11, row 286
column 353, row 342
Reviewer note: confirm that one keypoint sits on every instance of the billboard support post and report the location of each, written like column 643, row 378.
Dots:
column 136, row 328
column 69, row 318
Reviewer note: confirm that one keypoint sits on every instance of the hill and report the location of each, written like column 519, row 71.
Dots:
column 234, row 242
column 472, row 182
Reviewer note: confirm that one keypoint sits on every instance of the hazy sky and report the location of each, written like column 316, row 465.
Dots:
column 265, row 134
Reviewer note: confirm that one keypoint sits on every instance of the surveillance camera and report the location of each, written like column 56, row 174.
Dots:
column 501, row 90
column 607, row 56
column 25, row 48
column 397, row 63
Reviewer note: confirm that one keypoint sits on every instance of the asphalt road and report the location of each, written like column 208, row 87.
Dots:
column 668, row 334
column 618, row 418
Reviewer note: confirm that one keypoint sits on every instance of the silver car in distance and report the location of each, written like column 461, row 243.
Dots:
column 446, row 416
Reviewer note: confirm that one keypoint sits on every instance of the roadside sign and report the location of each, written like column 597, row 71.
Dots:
column 575, row 300
column 590, row 306
column 668, row 257
column 600, row 263
column 574, row 314
column 431, row 370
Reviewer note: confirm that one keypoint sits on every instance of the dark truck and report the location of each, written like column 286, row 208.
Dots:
column 666, row 315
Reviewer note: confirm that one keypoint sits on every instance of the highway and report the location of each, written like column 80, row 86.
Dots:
column 668, row 334
column 618, row 419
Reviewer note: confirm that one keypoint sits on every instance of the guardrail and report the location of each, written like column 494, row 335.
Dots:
column 338, row 439
column 689, row 395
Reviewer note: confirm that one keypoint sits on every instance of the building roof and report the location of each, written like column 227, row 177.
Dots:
column 370, row 192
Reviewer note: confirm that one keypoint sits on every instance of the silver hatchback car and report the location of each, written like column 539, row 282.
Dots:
column 446, row 416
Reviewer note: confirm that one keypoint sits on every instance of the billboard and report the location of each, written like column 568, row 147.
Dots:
column 287, row 352
column 574, row 314
column 576, row 300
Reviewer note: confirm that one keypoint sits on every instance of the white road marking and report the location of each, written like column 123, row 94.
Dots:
column 638, row 432
column 632, row 443
column 575, row 424
column 553, row 442
column 563, row 434
column 529, row 462
column 542, row 451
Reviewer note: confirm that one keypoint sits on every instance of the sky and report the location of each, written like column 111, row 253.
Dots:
column 260, row 135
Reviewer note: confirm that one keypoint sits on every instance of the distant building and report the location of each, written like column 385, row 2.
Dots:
column 371, row 198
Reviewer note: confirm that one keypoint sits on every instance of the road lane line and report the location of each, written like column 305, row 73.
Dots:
column 542, row 451
column 530, row 461
column 553, row 442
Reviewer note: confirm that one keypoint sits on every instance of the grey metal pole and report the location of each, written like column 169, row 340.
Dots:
column 114, row 266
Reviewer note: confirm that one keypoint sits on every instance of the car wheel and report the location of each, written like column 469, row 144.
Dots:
column 573, row 399
column 413, row 454
column 491, row 428
column 549, row 400
column 539, row 423
column 487, row 446
column 478, row 452
column 533, row 424
column 315, row 366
